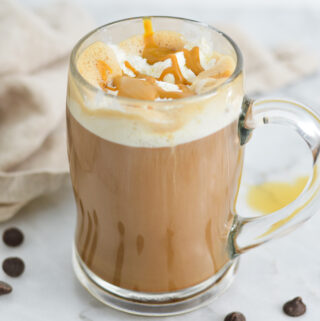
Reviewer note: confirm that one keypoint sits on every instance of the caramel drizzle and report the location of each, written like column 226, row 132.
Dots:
column 154, row 53
column 104, row 69
column 136, row 72
column 193, row 60
column 145, row 87
column 175, row 71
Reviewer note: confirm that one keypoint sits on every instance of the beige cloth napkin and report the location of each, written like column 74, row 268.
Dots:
column 33, row 73
column 35, row 46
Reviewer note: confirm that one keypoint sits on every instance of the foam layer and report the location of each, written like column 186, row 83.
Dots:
column 170, row 126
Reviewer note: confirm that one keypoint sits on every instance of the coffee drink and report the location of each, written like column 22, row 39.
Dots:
column 154, row 219
column 155, row 161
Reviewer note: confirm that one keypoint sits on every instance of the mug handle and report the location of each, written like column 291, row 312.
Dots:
column 248, row 233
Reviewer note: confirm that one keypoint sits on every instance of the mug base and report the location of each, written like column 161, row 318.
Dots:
column 155, row 304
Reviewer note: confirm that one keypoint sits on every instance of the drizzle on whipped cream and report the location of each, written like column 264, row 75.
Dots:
column 159, row 71
column 155, row 69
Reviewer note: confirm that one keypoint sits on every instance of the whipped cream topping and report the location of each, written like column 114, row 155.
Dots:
column 207, row 60
column 147, row 124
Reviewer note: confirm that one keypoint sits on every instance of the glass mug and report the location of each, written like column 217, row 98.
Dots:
column 157, row 230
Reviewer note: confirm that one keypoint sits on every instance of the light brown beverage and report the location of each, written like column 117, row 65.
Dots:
column 154, row 219
column 155, row 182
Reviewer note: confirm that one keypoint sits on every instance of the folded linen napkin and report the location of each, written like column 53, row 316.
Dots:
column 35, row 46
column 33, row 76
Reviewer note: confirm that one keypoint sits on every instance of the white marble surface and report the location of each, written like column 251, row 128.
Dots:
column 268, row 276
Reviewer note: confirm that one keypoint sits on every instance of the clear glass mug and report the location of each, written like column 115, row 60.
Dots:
column 157, row 230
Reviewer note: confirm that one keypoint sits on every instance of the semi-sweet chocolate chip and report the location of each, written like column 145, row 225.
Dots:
column 235, row 316
column 12, row 237
column 295, row 307
column 13, row 266
column 5, row 288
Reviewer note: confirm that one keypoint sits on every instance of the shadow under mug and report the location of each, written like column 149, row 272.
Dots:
column 157, row 230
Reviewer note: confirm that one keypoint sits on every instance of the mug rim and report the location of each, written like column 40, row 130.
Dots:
column 74, row 70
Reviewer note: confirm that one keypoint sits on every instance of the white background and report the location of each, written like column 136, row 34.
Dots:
column 190, row 3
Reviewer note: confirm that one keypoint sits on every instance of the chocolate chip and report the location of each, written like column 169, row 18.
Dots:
column 295, row 307
column 5, row 288
column 235, row 316
column 12, row 237
column 13, row 266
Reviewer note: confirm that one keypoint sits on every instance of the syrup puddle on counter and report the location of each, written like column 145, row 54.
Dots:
column 272, row 196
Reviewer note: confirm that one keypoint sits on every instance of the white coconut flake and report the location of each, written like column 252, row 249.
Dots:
column 168, row 86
